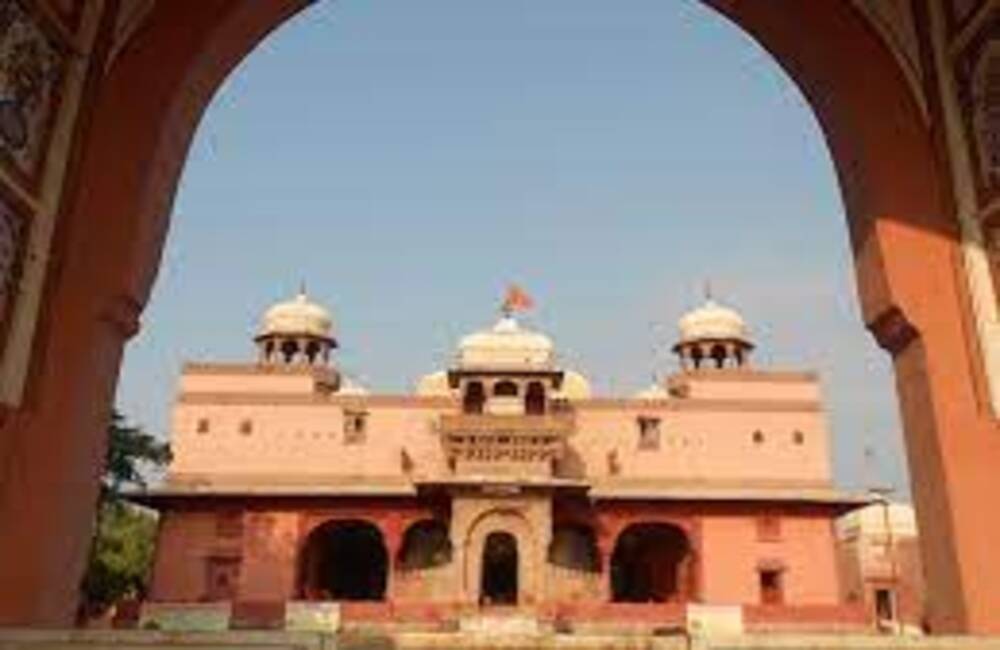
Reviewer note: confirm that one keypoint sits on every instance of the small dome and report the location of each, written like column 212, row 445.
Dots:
column 653, row 392
column 297, row 317
column 434, row 384
column 574, row 386
column 713, row 321
column 350, row 387
column 506, row 345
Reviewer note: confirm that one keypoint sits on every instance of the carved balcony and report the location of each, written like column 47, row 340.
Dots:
column 505, row 444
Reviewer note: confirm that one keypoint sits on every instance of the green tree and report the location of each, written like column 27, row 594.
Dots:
column 124, row 535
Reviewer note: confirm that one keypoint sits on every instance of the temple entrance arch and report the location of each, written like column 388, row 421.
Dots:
column 343, row 560
column 651, row 563
column 501, row 556
column 498, row 584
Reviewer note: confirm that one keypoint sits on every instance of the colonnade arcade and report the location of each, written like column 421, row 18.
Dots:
column 637, row 560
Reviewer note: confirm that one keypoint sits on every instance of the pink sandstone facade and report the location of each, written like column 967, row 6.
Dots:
column 880, row 567
column 502, row 484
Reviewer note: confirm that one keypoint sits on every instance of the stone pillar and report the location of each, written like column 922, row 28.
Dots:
column 606, row 539
column 392, row 534
column 53, row 452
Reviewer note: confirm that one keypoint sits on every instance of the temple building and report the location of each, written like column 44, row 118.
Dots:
column 503, row 483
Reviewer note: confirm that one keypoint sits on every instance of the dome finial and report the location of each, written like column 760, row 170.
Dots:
column 709, row 297
column 302, row 287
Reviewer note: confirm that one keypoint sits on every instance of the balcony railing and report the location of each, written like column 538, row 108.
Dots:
column 558, row 424
column 505, row 438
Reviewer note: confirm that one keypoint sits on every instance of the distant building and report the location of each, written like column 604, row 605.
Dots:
column 880, row 563
column 503, row 484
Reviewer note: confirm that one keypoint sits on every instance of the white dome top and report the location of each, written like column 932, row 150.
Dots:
column 653, row 392
column 574, row 386
column 349, row 387
column 506, row 345
column 712, row 321
column 434, row 384
column 297, row 317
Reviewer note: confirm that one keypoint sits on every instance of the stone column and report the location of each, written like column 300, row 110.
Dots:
column 392, row 533
column 605, row 549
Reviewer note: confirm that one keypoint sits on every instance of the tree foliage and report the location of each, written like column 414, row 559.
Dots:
column 124, row 535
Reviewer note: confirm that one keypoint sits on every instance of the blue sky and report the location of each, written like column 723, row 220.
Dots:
column 407, row 160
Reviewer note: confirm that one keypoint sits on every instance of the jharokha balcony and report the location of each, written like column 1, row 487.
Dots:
column 504, row 444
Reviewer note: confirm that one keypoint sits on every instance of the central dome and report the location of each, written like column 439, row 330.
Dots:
column 506, row 345
column 713, row 321
column 297, row 317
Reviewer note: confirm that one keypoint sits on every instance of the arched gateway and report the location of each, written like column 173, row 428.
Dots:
column 498, row 583
column 896, row 136
column 343, row 560
column 652, row 563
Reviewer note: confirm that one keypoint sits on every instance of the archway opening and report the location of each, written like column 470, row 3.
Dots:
column 499, row 583
column 651, row 564
column 344, row 560
column 426, row 545
column 474, row 398
column 574, row 546
column 534, row 399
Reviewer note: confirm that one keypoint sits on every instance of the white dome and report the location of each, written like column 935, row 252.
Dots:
column 350, row 387
column 872, row 520
column 712, row 321
column 434, row 384
column 653, row 392
column 297, row 317
column 506, row 345
column 574, row 386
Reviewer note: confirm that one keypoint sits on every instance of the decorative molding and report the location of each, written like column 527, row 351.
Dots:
column 122, row 313
column 963, row 18
column 15, row 222
column 131, row 16
column 893, row 331
column 976, row 69
column 627, row 405
column 33, row 65
column 895, row 23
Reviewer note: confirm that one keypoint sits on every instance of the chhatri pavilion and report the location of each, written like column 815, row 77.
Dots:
column 502, row 483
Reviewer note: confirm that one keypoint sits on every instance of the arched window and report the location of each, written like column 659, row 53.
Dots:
column 343, row 560
column 574, row 546
column 289, row 350
column 651, row 563
column 758, row 437
column 798, row 437
column 426, row 544
column 718, row 354
column 696, row 356
column 475, row 397
column 505, row 388
column 534, row 399
column 312, row 351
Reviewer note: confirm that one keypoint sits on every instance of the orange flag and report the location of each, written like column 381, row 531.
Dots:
column 517, row 299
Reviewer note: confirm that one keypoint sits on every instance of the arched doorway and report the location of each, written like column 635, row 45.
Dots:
column 651, row 564
column 426, row 544
column 574, row 546
column 498, row 582
column 474, row 398
column 534, row 399
column 343, row 560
